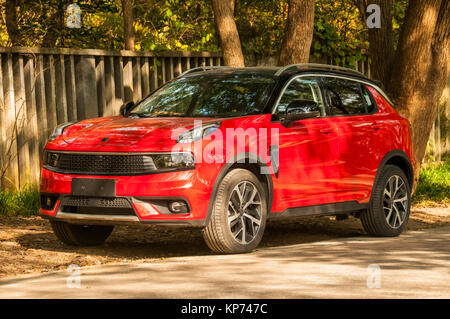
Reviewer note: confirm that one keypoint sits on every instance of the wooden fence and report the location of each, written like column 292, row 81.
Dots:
column 40, row 88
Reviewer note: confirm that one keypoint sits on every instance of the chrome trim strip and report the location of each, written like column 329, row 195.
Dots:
column 115, row 153
column 89, row 217
column 330, row 76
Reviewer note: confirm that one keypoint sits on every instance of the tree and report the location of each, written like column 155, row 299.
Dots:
column 299, row 32
column 11, row 22
column 128, row 27
column 228, row 33
column 420, row 66
column 381, row 40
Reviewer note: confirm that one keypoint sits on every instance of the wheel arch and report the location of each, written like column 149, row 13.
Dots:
column 400, row 159
column 251, row 162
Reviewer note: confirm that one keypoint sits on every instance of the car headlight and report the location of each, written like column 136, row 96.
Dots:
column 197, row 133
column 173, row 161
column 59, row 130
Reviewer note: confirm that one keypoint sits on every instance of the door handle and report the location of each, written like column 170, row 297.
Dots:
column 326, row 130
column 376, row 125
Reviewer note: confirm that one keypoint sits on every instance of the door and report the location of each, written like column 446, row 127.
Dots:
column 352, row 108
column 308, row 149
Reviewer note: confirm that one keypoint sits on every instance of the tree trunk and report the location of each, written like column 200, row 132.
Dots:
column 381, row 40
column 299, row 32
column 54, row 26
column 11, row 23
column 128, row 27
column 421, row 68
column 228, row 33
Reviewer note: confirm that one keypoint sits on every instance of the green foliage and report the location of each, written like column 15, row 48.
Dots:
column 180, row 25
column 338, row 32
column 261, row 25
column 434, row 183
column 19, row 203
column 175, row 25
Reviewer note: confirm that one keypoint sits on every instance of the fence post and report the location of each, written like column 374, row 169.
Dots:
column 10, row 168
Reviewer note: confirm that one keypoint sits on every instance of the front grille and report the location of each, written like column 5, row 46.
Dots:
column 101, row 164
column 97, row 205
column 117, row 202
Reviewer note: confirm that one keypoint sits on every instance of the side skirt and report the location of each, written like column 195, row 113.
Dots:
column 324, row 209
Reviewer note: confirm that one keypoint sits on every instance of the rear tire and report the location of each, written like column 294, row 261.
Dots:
column 389, row 207
column 81, row 235
column 238, row 218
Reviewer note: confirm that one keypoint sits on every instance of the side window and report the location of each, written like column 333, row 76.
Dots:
column 346, row 97
column 370, row 102
column 305, row 89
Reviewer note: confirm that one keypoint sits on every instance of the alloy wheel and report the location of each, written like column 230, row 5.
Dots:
column 244, row 212
column 395, row 201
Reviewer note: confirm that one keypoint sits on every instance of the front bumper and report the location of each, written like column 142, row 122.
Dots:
column 147, row 197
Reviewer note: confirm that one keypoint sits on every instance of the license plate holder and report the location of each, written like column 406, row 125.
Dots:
column 94, row 187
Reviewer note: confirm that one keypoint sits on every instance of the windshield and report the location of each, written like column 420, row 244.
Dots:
column 212, row 95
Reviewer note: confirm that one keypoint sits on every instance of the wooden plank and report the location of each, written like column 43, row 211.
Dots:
column 109, row 86
column 60, row 84
column 188, row 64
column 32, row 128
column 163, row 71
column 100, row 83
column 178, row 68
column 118, row 80
column 154, row 75
column 145, row 76
column 71, row 88
column 86, row 88
column 23, row 155
column 50, row 94
column 137, row 82
column 128, row 79
column 11, row 176
column 41, row 103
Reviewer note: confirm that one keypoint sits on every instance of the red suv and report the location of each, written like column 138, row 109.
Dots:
column 224, row 149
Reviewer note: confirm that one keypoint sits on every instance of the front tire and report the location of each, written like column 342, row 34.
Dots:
column 238, row 218
column 389, row 208
column 81, row 235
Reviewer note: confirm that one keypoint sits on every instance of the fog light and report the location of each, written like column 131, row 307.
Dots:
column 48, row 202
column 178, row 207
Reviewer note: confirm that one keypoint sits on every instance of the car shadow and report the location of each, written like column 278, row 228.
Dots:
column 153, row 242
column 147, row 242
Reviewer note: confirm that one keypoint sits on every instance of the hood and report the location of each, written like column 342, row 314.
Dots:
column 126, row 131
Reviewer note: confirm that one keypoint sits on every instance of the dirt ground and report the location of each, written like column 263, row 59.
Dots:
column 27, row 245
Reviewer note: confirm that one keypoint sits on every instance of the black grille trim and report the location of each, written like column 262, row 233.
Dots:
column 99, row 164
column 97, row 205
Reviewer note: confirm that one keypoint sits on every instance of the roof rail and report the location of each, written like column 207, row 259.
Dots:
column 319, row 66
column 204, row 68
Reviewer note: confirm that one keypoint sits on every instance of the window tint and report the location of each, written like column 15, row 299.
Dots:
column 306, row 89
column 371, row 106
column 209, row 95
column 347, row 97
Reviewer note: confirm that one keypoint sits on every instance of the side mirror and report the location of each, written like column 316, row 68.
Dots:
column 126, row 108
column 300, row 110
